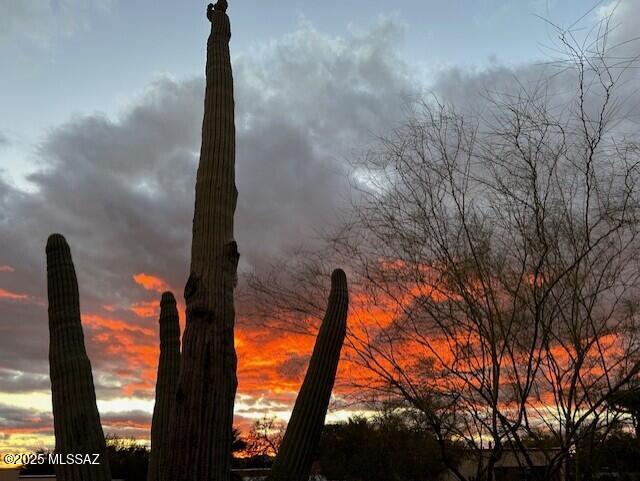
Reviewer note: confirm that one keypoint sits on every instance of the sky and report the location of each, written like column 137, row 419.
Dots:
column 101, row 106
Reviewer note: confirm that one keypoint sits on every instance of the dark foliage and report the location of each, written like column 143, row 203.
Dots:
column 37, row 469
column 618, row 453
column 387, row 448
column 238, row 444
column 129, row 459
column 253, row 462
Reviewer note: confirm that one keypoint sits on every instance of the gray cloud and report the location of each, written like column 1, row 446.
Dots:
column 20, row 381
column 40, row 21
column 554, row 76
column 304, row 104
column 294, row 367
column 12, row 417
column 127, row 424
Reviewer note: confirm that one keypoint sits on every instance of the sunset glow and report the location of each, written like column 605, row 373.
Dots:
column 150, row 282
column 124, row 354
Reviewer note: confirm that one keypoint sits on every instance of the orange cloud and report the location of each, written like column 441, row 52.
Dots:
column 145, row 308
column 150, row 282
column 262, row 354
column 4, row 294
column 7, row 269
column 114, row 324
column 130, row 351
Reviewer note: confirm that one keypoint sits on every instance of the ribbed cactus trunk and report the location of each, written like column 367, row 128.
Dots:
column 166, row 383
column 301, row 439
column 201, row 432
column 75, row 415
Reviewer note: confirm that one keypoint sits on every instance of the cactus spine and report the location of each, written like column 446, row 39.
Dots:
column 166, row 382
column 201, row 431
column 76, row 419
column 301, row 439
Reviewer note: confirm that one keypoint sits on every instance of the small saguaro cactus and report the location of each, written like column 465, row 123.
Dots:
column 75, row 415
column 166, row 382
column 201, row 426
column 302, row 436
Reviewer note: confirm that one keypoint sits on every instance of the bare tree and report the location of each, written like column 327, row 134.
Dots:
column 265, row 437
column 495, row 259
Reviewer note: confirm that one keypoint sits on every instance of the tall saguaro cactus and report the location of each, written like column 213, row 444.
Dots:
column 166, row 383
column 301, row 439
column 201, row 432
column 75, row 415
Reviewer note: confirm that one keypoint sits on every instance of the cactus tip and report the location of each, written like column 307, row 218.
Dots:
column 338, row 278
column 168, row 297
column 220, row 6
column 56, row 242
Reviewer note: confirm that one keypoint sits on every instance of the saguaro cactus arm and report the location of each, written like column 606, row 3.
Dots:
column 75, row 415
column 166, row 383
column 201, row 432
column 301, row 439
